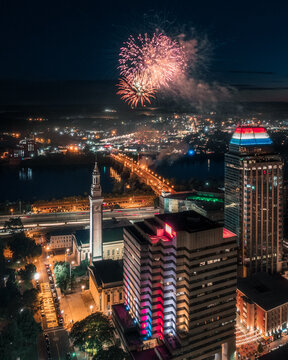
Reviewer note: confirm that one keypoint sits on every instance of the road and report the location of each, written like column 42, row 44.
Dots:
column 59, row 345
column 74, row 218
column 58, row 336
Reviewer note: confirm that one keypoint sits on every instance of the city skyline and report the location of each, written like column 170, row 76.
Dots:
column 144, row 180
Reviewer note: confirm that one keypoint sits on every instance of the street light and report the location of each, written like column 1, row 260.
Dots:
column 73, row 262
column 66, row 252
column 36, row 276
column 83, row 287
column 91, row 308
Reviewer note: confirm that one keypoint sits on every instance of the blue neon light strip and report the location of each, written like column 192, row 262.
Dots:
column 247, row 142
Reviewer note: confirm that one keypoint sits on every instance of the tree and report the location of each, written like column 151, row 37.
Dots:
column 10, row 299
column 28, row 272
column 13, row 224
column 112, row 353
column 92, row 333
column 62, row 275
column 30, row 329
column 81, row 269
column 23, row 247
column 19, row 337
column 29, row 299
column 11, row 342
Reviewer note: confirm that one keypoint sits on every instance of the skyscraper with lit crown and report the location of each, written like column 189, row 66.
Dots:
column 96, row 201
column 254, row 200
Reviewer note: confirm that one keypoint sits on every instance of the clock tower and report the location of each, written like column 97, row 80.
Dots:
column 96, row 200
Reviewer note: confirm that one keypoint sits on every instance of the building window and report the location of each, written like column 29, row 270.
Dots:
column 108, row 298
column 120, row 296
column 113, row 252
column 108, row 252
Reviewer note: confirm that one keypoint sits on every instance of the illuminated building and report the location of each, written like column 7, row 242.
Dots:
column 106, row 284
column 208, row 204
column 113, row 245
column 96, row 201
column 28, row 147
column 60, row 239
column 262, row 303
column 253, row 200
column 180, row 287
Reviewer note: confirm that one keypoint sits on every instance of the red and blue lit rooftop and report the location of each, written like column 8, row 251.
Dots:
column 250, row 136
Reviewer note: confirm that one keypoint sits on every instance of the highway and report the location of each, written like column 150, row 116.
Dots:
column 74, row 218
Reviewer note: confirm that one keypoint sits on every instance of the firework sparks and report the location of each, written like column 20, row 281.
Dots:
column 135, row 91
column 159, row 59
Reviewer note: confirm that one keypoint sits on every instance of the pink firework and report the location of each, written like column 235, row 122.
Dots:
column 135, row 91
column 159, row 59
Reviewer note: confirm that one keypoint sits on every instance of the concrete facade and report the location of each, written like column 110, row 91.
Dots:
column 96, row 201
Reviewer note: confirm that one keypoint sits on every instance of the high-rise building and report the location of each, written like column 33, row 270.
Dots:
column 96, row 200
column 180, row 274
column 254, row 200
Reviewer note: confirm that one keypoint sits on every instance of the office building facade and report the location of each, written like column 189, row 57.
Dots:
column 254, row 200
column 180, row 284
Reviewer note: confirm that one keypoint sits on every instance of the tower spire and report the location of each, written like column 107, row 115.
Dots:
column 96, row 190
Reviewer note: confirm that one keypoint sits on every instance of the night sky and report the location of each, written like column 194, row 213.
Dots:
column 80, row 40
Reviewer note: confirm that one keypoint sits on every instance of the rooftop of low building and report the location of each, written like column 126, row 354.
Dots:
column 278, row 354
column 267, row 291
column 107, row 272
column 189, row 221
column 108, row 235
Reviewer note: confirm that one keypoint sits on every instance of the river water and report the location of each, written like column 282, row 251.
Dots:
column 30, row 184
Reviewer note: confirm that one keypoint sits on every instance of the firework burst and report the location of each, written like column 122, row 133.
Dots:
column 136, row 90
column 158, row 58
